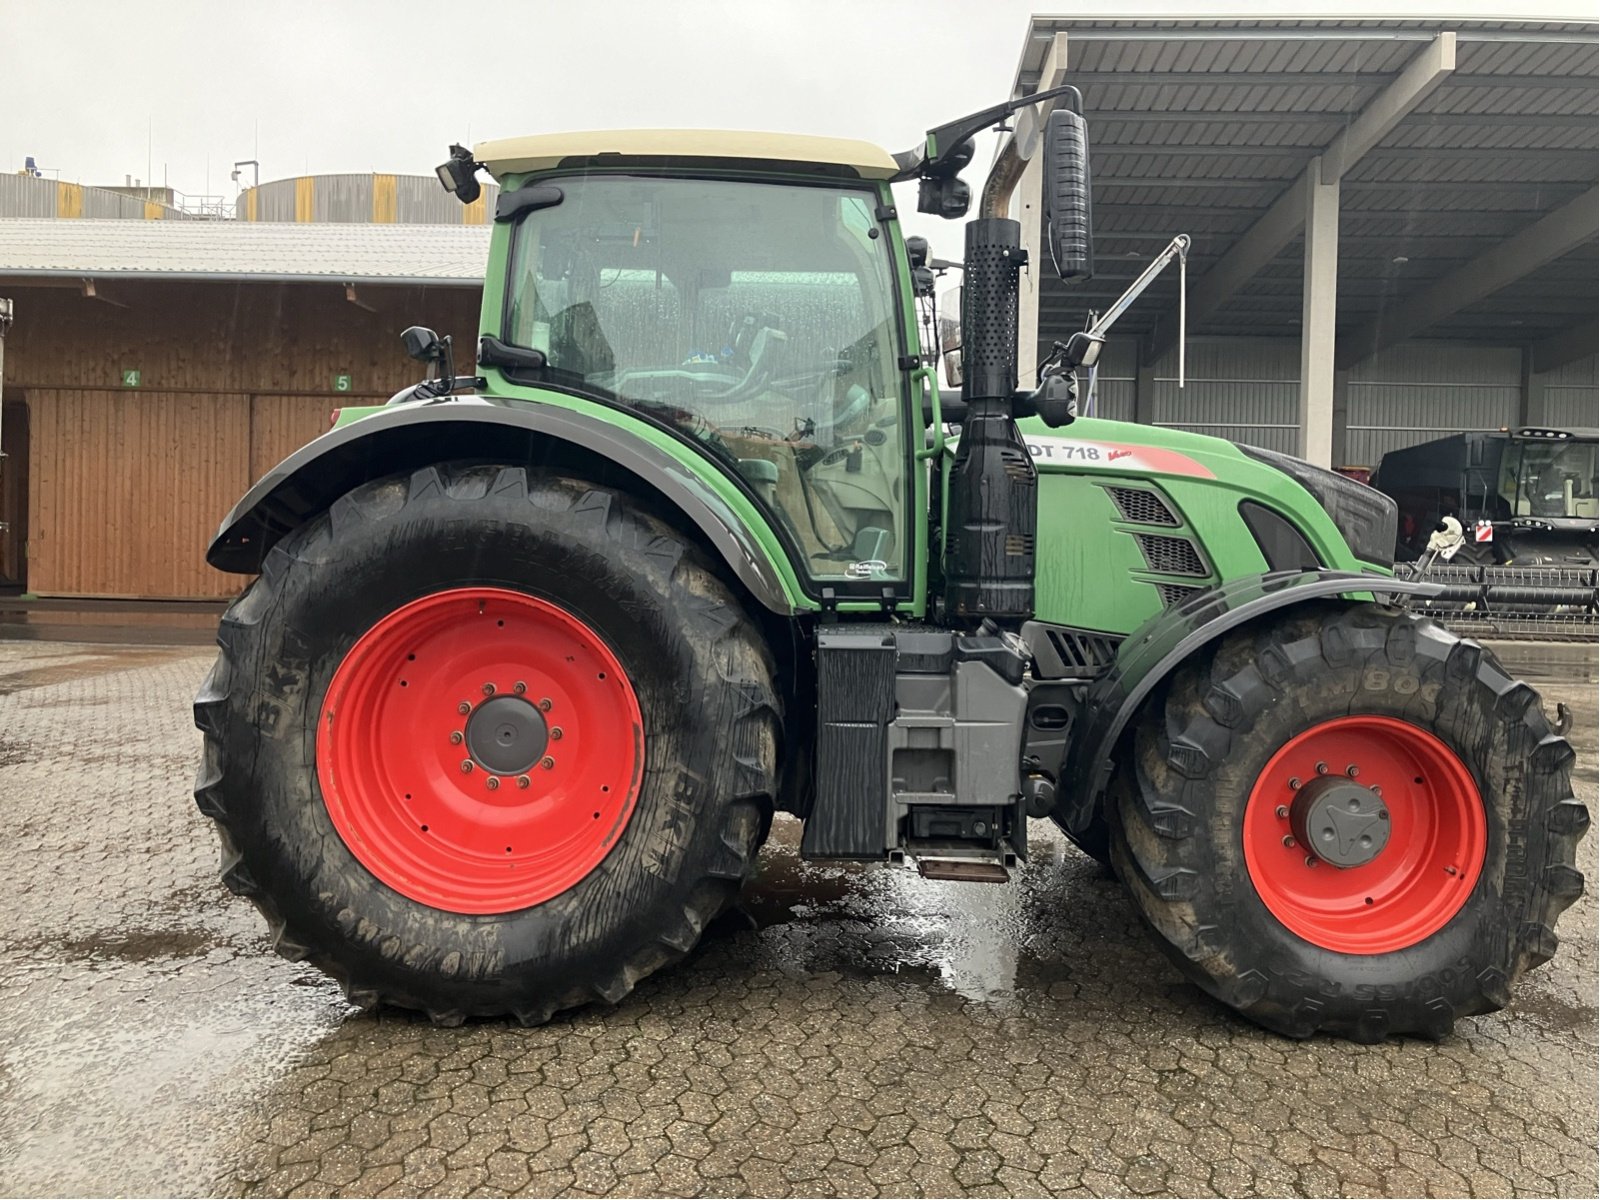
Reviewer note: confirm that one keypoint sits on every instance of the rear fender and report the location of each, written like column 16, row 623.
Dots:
column 406, row 438
column 1154, row 650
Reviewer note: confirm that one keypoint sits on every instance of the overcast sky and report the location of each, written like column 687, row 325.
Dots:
column 171, row 89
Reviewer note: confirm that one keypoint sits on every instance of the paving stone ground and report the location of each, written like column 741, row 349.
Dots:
column 865, row 1033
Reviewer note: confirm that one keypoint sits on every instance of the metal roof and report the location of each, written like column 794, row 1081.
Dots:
column 434, row 255
column 1199, row 127
column 540, row 151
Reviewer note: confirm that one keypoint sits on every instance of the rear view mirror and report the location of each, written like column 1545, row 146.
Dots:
column 950, row 335
column 1067, row 211
column 422, row 344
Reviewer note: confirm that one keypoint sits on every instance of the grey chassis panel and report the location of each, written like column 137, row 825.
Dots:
column 1154, row 650
column 408, row 437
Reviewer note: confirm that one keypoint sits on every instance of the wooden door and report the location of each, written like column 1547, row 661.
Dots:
column 14, row 495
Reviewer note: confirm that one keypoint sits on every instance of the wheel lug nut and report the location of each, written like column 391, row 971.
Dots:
column 492, row 782
column 488, row 689
column 555, row 733
column 455, row 737
column 547, row 762
column 1281, row 811
column 466, row 766
column 1288, row 839
column 463, row 708
column 1294, row 783
column 519, row 687
column 1310, row 861
column 544, row 705
column 523, row 781
column 1352, row 771
column 1322, row 768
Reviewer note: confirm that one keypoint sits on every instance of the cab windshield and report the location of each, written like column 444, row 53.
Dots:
column 1551, row 479
column 758, row 318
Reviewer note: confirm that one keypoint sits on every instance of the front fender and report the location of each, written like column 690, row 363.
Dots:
column 407, row 437
column 1155, row 649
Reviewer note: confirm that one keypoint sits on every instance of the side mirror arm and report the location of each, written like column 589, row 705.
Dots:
column 944, row 143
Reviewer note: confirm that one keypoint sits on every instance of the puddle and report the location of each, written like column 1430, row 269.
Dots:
column 121, row 1093
column 983, row 943
column 85, row 667
column 1555, row 1015
column 140, row 945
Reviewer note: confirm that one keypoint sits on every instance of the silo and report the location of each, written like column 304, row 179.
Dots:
column 382, row 199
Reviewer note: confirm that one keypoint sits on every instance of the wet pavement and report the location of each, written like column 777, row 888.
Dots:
column 862, row 1032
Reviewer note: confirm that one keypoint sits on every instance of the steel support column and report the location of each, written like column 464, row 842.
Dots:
column 1318, row 308
column 1341, row 420
column 1144, row 391
column 1530, row 397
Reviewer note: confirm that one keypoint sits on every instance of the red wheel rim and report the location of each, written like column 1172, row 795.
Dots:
column 480, row 750
column 1415, row 883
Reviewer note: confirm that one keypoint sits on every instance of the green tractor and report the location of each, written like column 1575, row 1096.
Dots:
column 532, row 657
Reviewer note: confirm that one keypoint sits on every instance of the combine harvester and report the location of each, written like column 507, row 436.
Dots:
column 1506, row 524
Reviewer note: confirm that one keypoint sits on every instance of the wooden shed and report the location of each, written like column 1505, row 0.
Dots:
column 155, row 370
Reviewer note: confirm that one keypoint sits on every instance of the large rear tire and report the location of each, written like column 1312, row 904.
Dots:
column 482, row 742
column 1348, row 820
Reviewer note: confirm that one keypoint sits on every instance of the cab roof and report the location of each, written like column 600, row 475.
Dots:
column 538, row 152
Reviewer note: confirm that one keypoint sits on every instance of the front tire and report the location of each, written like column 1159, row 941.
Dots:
column 1437, row 913
column 481, row 743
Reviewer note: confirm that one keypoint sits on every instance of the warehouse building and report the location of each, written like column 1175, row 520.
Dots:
column 156, row 368
column 1393, row 224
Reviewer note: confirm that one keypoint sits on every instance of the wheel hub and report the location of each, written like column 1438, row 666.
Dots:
column 507, row 735
column 1339, row 822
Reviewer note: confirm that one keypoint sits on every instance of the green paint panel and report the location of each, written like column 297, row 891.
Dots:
column 1091, row 572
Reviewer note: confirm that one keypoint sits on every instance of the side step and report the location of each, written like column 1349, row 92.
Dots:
column 961, row 870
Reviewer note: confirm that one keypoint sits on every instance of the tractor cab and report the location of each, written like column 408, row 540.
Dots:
column 1551, row 474
column 740, row 290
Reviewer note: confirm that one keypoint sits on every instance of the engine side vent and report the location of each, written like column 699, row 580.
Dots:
column 1171, row 555
column 1173, row 594
column 1069, row 653
column 1142, row 507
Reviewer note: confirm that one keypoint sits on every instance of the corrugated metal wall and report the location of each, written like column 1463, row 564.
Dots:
column 1418, row 391
column 1571, row 394
column 1243, row 390
column 404, row 199
column 27, row 196
column 32, row 196
column 1115, row 385
column 126, row 485
column 1248, row 390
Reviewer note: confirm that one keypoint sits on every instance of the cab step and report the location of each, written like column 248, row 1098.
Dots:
column 962, row 870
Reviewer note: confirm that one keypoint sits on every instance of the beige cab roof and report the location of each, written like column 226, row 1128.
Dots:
column 507, row 156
